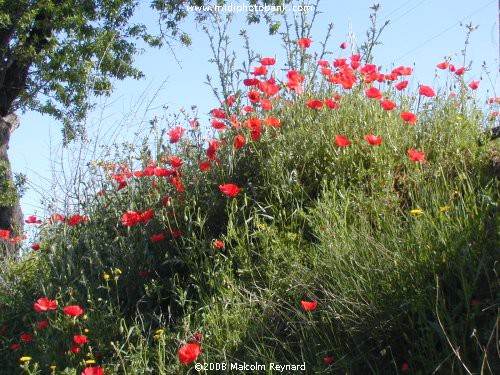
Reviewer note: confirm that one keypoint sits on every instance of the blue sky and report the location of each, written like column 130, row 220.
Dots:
column 420, row 34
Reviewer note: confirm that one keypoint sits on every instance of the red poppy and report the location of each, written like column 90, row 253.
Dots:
column 26, row 337
column 309, row 305
column 218, row 113
column 343, row 45
column 460, row 71
column 254, row 96
column 74, row 349
column 218, row 244
column 204, row 166
column 373, row 92
column 76, row 219
column 176, row 134
column 315, row 104
column 80, row 339
column 219, row 125
column 409, row 117
column 73, row 310
column 266, row 104
column 15, row 346
column 57, row 217
column 157, row 237
column 239, row 141
column 175, row 232
column 332, row 104
column 272, row 122
column 373, row 139
column 251, row 82
column 443, row 65
column 231, row 190
column 32, row 220
column 35, row 246
column 175, row 162
column 45, row 304
column 41, row 325
column 418, row 156
column 426, row 91
column 260, row 70
column 4, row 234
column 230, row 101
column 405, row 367
column 323, row 63
column 402, row 85
column 268, row 61
column 269, row 88
column 341, row 141
column 474, row 85
column 387, row 104
column 328, row 360
column 304, row 43
column 189, row 352
column 93, row 371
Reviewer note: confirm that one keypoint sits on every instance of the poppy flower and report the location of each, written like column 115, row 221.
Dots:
column 41, row 325
column 402, row 85
column 73, row 310
column 268, row 61
column 57, row 217
column 204, row 166
column 218, row 244
column 272, row 122
column 188, row 353
column 260, row 70
column 251, row 82
column 230, row 190
column 373, row 139
column 309, row 305
column 176, row 232
column 373, row 92
column 175, row 162
column 405, row 367
column 157, row 237
column 328, row 360
column 426, row 91
column 304, row 43
column 230, row 101
column 15, row 346
column 418, row 156
column 80, row 339
column 341, row 141
column 218, row 113
column 239, row 141
column 76, row 219
column 268, row 88
column 332, row 104
column 266, row 104
column 93, row 371
column 26, row 337
column 343, row 45
column 45, row 304
column 176, row 134
column 315, row 104
column 388, row 105
column 460, row 71
column 254, row 96
column 4, row 234
column 323, row 63
column 35, row 246
column 474, row 85
column 32, row 220
column 409, row 117
column 443, row 65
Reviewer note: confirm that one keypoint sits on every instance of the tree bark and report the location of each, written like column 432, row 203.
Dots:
column 11, row 217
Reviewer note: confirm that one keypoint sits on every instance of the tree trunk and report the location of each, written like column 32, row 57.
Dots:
column 11, row 217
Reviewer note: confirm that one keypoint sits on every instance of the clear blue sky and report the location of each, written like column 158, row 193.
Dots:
column 421, row 32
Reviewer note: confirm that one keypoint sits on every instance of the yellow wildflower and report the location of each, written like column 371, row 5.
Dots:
column 416, row 212
column 106, row 276
column 159, row 331
column 118, row 271
column 444, row 208
column 90, row 362
column 25, row 359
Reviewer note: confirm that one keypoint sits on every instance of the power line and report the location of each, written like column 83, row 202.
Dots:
column 408, row 11
column 444, row 31
column 395, row 10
